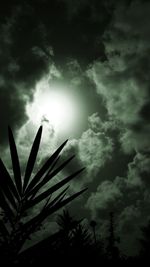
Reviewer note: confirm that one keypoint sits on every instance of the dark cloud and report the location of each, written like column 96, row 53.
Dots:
column 123, row 79
column 11, row 108
column 20, row 66
column 129, row 198
column 33, row 34
column 102, row 49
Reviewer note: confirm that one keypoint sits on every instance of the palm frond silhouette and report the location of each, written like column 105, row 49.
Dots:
column 66, row 222
column 18, row 196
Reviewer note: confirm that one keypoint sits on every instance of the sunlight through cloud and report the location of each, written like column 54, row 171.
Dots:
column 54, row 106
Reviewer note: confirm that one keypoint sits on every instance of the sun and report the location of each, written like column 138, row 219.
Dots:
column 54, row 106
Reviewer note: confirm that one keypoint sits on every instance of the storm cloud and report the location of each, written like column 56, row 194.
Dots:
column 101, row 49
column 123, row 79
column 128, row 197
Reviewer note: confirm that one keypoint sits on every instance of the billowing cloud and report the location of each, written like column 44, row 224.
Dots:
column 32, row 36
column 93, row 149
column 23, row 61
column 128, row 197
column 64, row 37
column 123, row 79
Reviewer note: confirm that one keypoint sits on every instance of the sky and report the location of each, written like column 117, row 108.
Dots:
column 91, row 59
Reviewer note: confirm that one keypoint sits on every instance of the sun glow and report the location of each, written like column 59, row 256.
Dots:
column 54, row 106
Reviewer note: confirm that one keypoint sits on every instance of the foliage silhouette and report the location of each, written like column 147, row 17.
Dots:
column 67, row 224
column 112, row 249
column 18, row 195
column 145, row 242
column 76, row 241
column 73, row 244
column 93, row 225
column 71, row 241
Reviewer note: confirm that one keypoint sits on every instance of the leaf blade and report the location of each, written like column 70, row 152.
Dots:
column 15, row 162
column 50, row 176
column 39, row 218
column 5, row 206
column 44, row 168
column 57, row 198
column 32, row 158
column 53, row 189
column 63, row 203
column 31, row 225
column 6, row 178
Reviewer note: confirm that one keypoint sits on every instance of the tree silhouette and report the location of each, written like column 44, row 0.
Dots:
column 112, row 250
column 93, row 225
column 66, row 222
column 81, row 240
column 19, row 195
column 145, row 242
column 75, row 240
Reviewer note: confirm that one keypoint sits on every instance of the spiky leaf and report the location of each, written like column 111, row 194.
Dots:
column 45, row 168
column 49, row 176
column 32, row 157
column 15, row 161
column 53, row 189
column 6, row 207
column 58, row 198
column 31, row 225
column 5, row 179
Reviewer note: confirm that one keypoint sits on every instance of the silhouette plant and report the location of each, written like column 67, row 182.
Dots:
column 82, row 239
column 93, row 226
column 112, row 249
column 145, row 241
column 75, row 239
column 18, row 195
column 66, row 222
column 66, row 225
